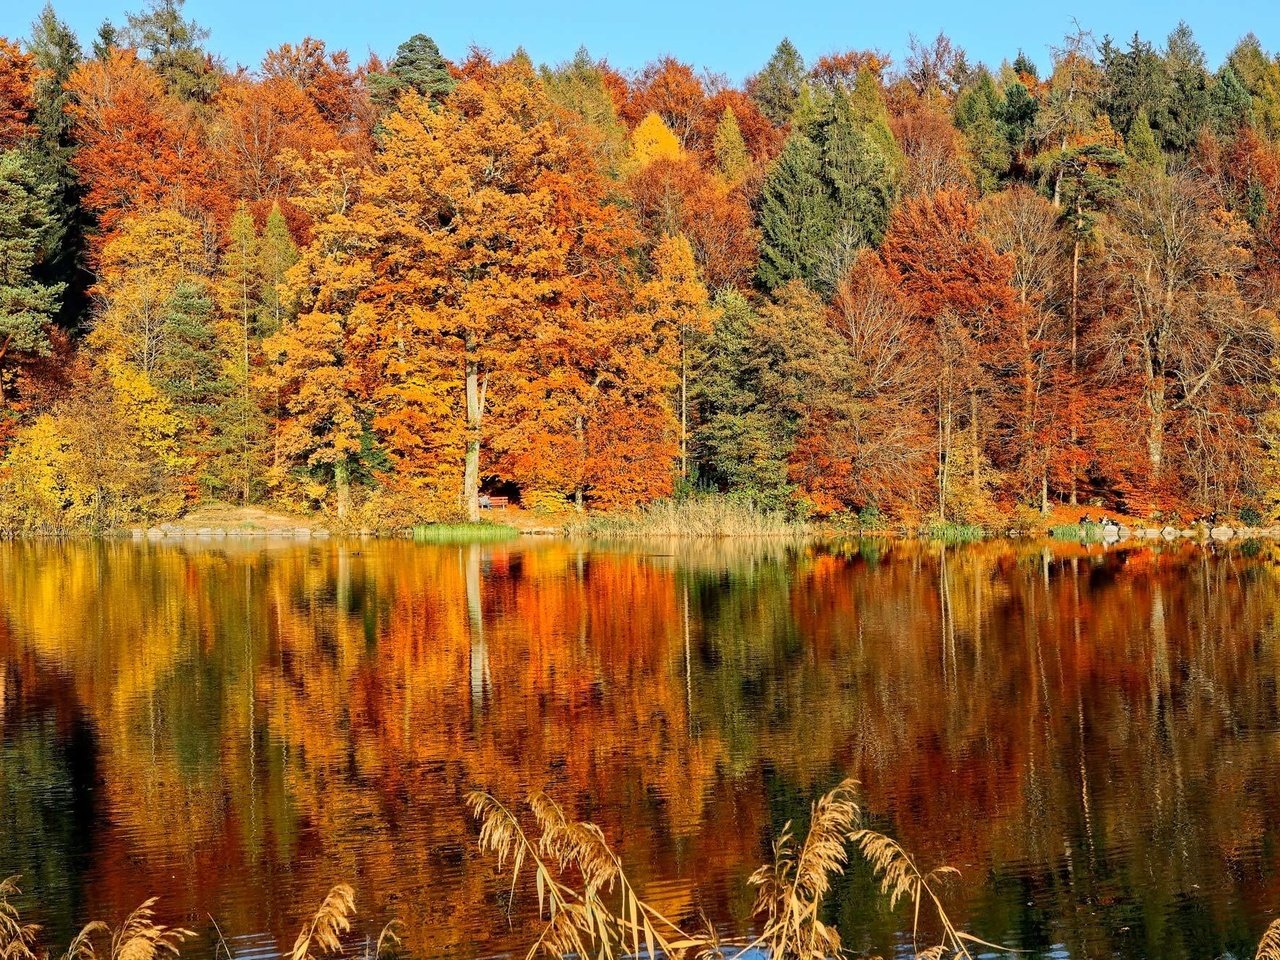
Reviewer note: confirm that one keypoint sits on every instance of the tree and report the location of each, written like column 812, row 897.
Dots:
column 828, row 195
column 652, row 140
column 240, row 293
column 173, row 48
column 1260, row 75
column 26, row 305
column 1182, row 327
column 139, row 150
column 582, row 86
column 777, row 86
column 141, row 267
column 276, row 253
column 730, row 149
column 17, row 78
column 676, row 300
column 1187, row 109
column 742, row 442
column 57, row 55
column 959, row 286
column 417, row 66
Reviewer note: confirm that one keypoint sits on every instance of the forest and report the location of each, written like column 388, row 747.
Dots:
column 921, row 290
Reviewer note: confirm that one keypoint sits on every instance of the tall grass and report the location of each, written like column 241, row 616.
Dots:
column 1088, row 532
column 463, row 532
column 589, row 908
column 140, row 937
column 699, row 516
column 955, row 532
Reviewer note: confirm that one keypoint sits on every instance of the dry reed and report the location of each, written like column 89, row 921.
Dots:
column 589, row 906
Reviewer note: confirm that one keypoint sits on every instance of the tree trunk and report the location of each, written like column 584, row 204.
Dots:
column 342, row 481
column 1155, row 432
column 475, row 418
column 977, row 450
column 684, row 410
column 1075, row 301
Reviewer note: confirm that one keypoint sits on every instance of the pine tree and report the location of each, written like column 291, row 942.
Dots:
column 26, row 304
column 976, row 112
column 797, row 214
column 418, row 65
column 173, row 48
column 730, row 149
column 743, row 440
column 828, row 195
column 777, row 87
column 1230, row 106
column 57, row 54
column 1187, row 109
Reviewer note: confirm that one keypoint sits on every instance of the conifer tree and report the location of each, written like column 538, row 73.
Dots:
column 173, row 48
column 1142, row 148
column 730, row 149
column 26, row 304
column 776, row 88
column 277, row 253
column 828, row 194
column 57, row 54
column 418, row 66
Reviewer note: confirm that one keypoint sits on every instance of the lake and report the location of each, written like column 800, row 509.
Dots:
column 1092, row 735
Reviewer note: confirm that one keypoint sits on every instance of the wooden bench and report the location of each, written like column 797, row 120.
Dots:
column 496, row 503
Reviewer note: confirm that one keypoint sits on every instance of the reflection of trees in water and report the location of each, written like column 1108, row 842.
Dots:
column 1089, row 731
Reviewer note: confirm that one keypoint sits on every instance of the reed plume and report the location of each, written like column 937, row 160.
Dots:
column 324, row 930
column 792, row 888
column 1269, row 946
column 589, row 906
column 16, row 938
column 900, row 879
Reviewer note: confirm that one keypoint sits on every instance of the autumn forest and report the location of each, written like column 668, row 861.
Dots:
column 918, row 288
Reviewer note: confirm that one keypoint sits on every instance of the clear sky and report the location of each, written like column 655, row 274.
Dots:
column 729, row 38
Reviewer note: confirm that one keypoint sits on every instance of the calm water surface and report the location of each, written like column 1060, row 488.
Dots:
column 1092, row 736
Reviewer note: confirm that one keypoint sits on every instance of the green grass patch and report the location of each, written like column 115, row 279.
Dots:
column 463, row 532
column 1088, row 532
column 955, row 532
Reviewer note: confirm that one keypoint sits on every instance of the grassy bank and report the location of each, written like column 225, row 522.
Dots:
column 463, row 532
column 706, row 516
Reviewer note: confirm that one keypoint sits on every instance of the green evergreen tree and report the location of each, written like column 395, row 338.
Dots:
column 277, row 253
column 1142, row 147
column 1186, row 111
column 26, row 304
column 579, row 86
column 417, row 65
column 1230, row 105
column 743, row 440
column 1017, row 115
column 57, row 54
column 192, row 372
column 777, row 86
column 1134, row 79
column 173, row 47
column 105, row 40
column 797, row 215
column 730, row 149
column 976, row 113
column 829, row 193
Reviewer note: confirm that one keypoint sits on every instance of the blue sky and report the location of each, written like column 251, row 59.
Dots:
column 730, row 38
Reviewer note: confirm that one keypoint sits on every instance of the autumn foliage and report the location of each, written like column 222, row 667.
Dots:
column 925, row 290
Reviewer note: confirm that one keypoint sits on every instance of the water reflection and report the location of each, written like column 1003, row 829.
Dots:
column 1090, row 734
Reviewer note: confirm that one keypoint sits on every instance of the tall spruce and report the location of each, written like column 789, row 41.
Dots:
column 27, row 305
column 828, row 195
column 777, row 86
column 57, row 55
